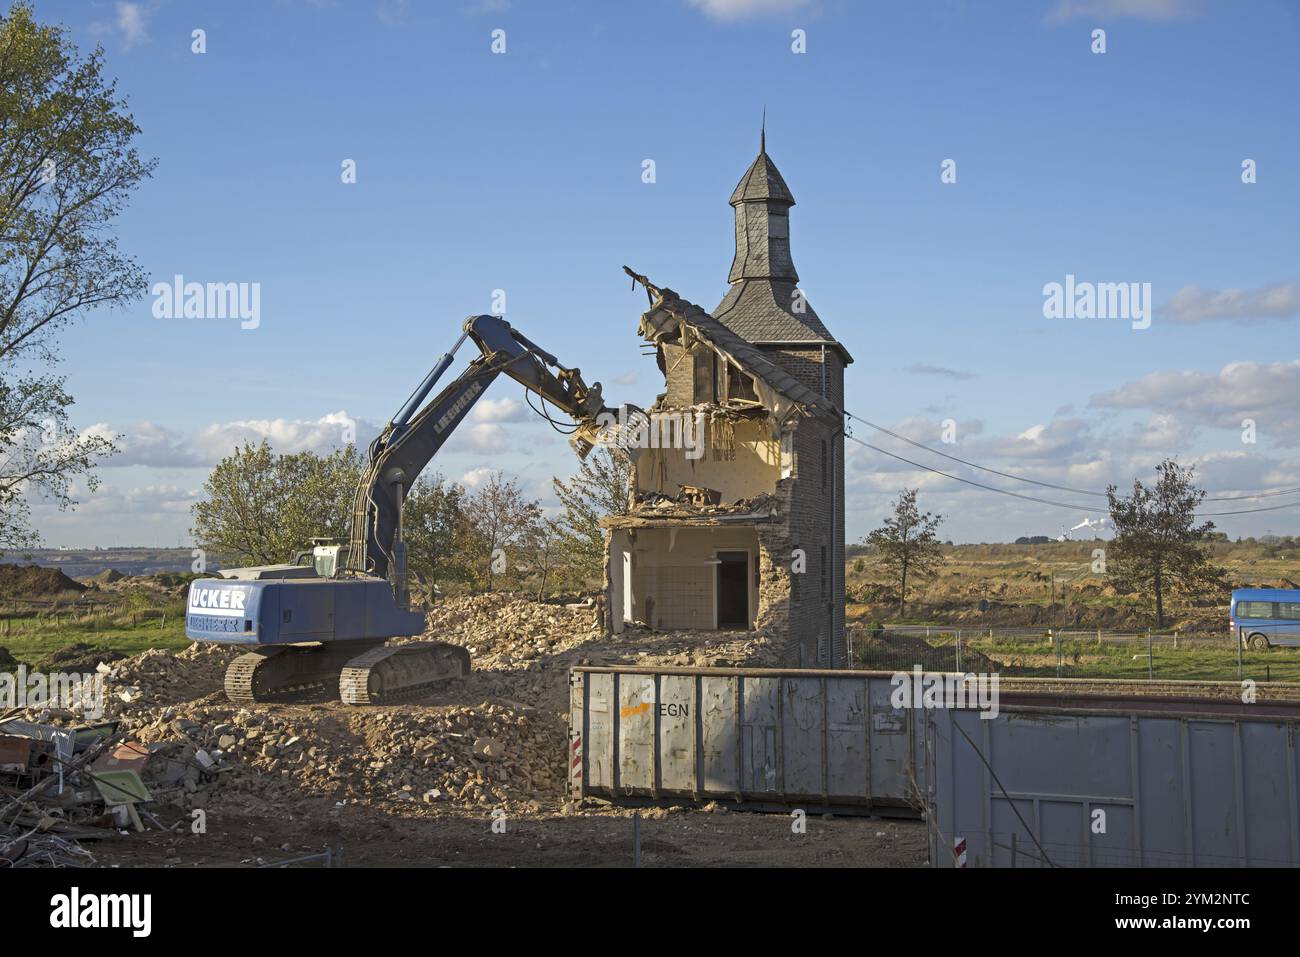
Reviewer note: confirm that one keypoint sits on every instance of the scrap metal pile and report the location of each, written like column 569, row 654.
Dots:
column 63, row 784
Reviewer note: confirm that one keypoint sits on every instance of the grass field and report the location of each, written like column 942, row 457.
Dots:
column 30, row 638
column 1056, row 584
column 1190, row 660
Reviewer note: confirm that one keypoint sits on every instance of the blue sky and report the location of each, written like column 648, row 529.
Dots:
column 521, row 171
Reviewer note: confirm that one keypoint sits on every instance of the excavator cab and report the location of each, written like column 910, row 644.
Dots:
column 327, row 555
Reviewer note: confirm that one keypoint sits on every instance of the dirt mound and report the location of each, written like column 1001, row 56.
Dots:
column 157, row 677
column 36, row 581
column 504, row 630
column 106, row 577
column 78, row 658
column 899, row 650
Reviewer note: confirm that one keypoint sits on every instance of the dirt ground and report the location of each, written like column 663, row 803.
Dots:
column 587, row 838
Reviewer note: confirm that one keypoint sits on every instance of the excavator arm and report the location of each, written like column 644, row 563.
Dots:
column 312, row 628
column 415, row 435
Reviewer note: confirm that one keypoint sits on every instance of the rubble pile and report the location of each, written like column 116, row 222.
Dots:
column 467, row 756
column 522, row 650
column 692, row 501
column 62, row 785
column 503, row 630
column 169, row 742
column 157, row 677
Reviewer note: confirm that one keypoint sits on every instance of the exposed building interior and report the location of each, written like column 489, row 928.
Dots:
column 737, row 492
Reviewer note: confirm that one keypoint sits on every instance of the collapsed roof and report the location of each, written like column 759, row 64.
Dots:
column 672, row 319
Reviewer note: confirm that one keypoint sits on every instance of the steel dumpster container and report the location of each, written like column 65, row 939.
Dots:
column 760, row 738
column 1126, row 788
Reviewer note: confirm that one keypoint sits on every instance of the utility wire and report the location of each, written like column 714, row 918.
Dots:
column 1066, row 488
column 1044, row 501
column 994, row 775
column 1018, row 478
column 990, row 488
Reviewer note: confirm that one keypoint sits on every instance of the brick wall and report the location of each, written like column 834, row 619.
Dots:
column 815, row 503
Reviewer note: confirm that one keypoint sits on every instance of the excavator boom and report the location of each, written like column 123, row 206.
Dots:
column 324, row 623
column 413, row 437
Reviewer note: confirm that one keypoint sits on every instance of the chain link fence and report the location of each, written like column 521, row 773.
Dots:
column 1072, row 653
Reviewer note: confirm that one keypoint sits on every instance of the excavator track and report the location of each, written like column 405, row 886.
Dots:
column 401, row 672
column 292, row 673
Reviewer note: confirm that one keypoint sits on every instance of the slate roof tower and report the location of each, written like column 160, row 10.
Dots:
column 764, row 304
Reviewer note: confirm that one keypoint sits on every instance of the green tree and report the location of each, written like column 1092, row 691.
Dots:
column 259, row 508
column 501, row 524
column 1158, row 547
column 435, row 529
column 542, row 557
column 598, row 490
column 907, row 545
column 67, row 168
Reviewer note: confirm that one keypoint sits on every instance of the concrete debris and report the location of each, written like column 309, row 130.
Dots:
column 692, row 501
column 172, row 743
column 700, row 496
column 157, row 677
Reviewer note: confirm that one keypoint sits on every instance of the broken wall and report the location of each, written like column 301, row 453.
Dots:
column 812, row 503
column 740, row 460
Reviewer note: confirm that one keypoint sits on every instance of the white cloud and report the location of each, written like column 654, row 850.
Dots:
column 1194, row 304
column 148, row 444
column 920, row 368
column 499, row 410
column 151, row 445
column 286, row 436
column 131, row 24
column 474, row 477
column 1126, row 9
column 1058, row 440
column 1268, row 393
column 743, row 9
column 141, row 515
column 486, row 437
column 1162, row 432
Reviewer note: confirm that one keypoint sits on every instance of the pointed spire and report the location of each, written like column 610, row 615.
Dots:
column 763, row 305
column 762, row 202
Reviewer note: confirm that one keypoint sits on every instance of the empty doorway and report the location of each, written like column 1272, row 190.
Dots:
column 733, row 589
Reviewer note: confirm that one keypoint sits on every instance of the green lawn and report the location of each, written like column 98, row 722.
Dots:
column 30, row 639
column 1190, row 661
column 1195, row 663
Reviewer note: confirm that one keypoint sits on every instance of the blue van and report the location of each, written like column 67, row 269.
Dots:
column 1265, row 617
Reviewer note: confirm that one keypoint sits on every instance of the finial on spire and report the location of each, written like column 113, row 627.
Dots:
column 762, row 133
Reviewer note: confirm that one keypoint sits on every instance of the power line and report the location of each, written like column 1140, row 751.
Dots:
column 1043, row 501
column 1246, row 511
column 1018, row 478
column 990, row 488
column 1063, row 488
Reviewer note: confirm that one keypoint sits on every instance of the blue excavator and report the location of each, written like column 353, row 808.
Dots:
column 324, row 620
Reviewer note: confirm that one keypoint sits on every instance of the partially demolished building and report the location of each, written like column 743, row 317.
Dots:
column 744, row 530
